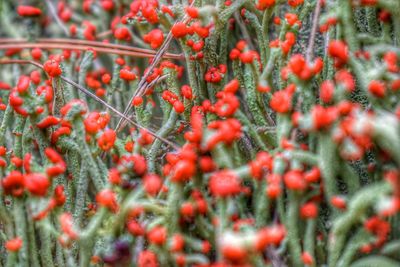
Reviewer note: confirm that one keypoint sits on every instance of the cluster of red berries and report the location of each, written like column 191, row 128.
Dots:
column 248, row 145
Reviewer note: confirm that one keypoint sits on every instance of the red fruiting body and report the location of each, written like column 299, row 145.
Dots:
column 14, row 184
column 59, row 196
column 157, row 235
column 301, row 69
column 13, row 245
column 47, row 122
column 147, row 258
column 281, row 101
column 187, row 209
column 52, row 68
column 127, row 75
column 294, row 180
column 193, row 12
column 232, row 86
column 178, row 106
column 309, row 210
column 135, row 228
column 35, row 77
column 179, row 30
column 23, row 84
column 177, row 243
column 28, row 11
column 247, row 57
column 137, row 101
column 183, row 170
column 96, row 121
column 152, row 184
column 264, row 4
column 107, row 198
column 295, row 3
column 155, row 38
column 233, row 253
column 37, row 184
column 186, row 92
column 227, row 104
column 339, row 50
column 251, row 124
column 312, row 175
column 66, row 222
column 36, row 53
column 327, row 90
column 323, row 117
column 224, row 184
column 338, row 202
column 377, row 88
column 122, row 34
column 272, row 235
column 107, row 139
column 307, row 258
column 292, row 19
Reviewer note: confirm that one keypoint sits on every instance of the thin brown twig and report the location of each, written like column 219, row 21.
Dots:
column 157, row 80
column 93, row 96
column 243, row 29
column 104, row 34
column 92, row 44
column 77, row 47
column 100, row 44
column 53, row 12
column 142, row 86
column 311, row 42
column 143, row 82
column 309, row 56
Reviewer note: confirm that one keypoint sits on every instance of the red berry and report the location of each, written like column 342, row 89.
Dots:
column 52, row 68
column 247, row 57
column 309, row 210
column 13, row 245
column 36, row 53
column 14, row 184
column 232, row 86
column 307, row 258
column 106, row 78
column 338, row 49
column 224, row 183
column 107, row 198
column 264, row 4
column 312, row 175
column 37, row 184
column 193, row 12
column 377, row 88
column 137, row 101
column 157, row 235
column 179, row 30
column 28, row 11
column 107, row 139
column 135, row 228
column 179, row 107
column 127, row 75
column 147, row 258
column 326, row 91
column 155, row 38
column 338, row 202
column 281, row 101
column 152, row 184
column 294, row 180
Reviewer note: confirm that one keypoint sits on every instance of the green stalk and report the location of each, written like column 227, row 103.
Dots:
column 359, row 204
column 21, row 231
column 292, row 218
column 309, row 238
